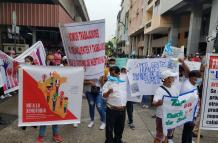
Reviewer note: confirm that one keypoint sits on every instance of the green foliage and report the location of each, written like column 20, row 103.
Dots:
column 109, row 49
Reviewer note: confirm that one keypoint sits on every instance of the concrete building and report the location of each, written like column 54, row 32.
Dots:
column 192, row 21
column 136, row 27
column 153, row 23
column 122, row 28
column 26, row 21
column 156, row 27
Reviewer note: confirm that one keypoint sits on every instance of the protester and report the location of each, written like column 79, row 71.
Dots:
column 55, row 130
column 168, row 88
column 2, row 94
column 94, row 98
column 196, row 58
column 129, row 104
column 50, row 59
column 57, row 58
column 200, row 91
column 116, row 107
column 190, row 85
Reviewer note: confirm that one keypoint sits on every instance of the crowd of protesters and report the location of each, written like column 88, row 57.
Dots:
column 104, row 93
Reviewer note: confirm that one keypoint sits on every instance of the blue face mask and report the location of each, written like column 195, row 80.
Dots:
column 198, row 81
column 115, row 79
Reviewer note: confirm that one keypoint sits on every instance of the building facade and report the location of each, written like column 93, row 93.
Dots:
column 153, row 23
column 27, row 21
column 122, row 28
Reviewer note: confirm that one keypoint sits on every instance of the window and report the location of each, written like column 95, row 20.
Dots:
column 186, row 35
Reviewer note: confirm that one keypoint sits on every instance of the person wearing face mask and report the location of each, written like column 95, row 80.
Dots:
column 170, row 88
column 116, row 106
column 200, row 91
column 190, row 84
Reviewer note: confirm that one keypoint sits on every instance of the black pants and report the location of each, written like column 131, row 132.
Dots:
column 187, row 132
column 129, row 109
column 115, row 121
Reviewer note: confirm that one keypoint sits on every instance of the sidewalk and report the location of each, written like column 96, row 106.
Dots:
column 144, row 132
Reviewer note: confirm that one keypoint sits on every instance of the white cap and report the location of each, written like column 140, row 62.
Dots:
column 64, row 58
column 167, row 73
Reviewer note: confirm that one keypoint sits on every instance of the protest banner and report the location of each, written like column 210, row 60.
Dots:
column 179, row 110
column 84, row 46
column 125, row 90
column 144, row 74
column 49, row 95
column 193, row 65
column 8, row 69
column 209, row 113
column 36, row 51
column 173, row 52
column 121, row 62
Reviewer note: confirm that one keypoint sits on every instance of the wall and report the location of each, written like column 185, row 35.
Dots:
column 136, row 16
column 168, row 4
column 43, row 15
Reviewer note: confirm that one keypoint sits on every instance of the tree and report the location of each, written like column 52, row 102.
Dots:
column 110, row 49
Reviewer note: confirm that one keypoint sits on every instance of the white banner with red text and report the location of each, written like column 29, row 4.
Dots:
column 84, row 46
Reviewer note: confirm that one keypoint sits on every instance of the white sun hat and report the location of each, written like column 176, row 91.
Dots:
column 165, row 73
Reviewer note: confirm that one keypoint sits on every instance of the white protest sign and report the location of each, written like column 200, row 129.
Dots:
column 209, row 113
column 49, row 95
column 179, row 110
column 8, row 71
column 84, row 46
column 36, row 51
column 144, row 74
column 193, row 65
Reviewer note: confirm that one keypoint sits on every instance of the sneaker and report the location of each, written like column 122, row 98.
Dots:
column 75, row 125
column 2, row 97
column 8, row 95
column 102, row 127
column 132, row 126
column 90, row 124
column 39, row 139
column 170, row 141
column 57, row 138
column 145, row 106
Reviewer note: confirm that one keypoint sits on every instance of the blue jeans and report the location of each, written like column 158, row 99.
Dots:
column 99, row 102
column 42, row 130
column 144, row 100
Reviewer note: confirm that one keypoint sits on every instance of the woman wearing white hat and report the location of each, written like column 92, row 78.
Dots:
column 168, row 88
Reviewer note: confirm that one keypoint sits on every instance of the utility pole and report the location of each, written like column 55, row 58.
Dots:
column 14, row 25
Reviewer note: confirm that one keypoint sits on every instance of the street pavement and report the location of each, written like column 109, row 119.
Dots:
column 144, row 132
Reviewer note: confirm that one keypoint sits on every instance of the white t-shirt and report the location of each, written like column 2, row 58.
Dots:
column 160, row 93
column 1, row 81
column 187, row 87
column 118, row 97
